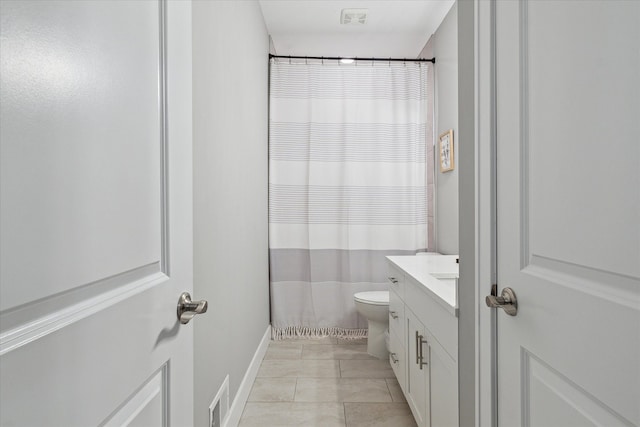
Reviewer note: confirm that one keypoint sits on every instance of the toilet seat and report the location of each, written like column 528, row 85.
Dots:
column 373, row 297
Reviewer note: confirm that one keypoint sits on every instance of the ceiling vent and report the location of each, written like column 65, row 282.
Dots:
column 354, row 16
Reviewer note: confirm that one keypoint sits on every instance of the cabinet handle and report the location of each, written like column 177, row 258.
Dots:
column 393, row 280
column 421, row 342
column 393, row 314
column 394, row 358
column 417, row 349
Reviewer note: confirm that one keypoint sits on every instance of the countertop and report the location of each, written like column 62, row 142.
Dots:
column 428, row 270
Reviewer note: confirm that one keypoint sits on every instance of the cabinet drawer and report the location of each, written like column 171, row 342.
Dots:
column 396, row 316
column 398, row 360
column 396, row 279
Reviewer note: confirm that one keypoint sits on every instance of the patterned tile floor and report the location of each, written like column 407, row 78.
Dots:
column 325, row 382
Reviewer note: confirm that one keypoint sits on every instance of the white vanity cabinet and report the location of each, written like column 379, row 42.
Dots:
column 423, row 335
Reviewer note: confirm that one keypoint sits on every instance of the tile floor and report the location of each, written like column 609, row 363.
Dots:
column 325, row 382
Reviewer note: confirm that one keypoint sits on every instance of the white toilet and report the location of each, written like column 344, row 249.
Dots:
column 375, row 307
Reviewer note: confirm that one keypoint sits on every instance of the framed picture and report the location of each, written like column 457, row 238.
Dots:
column 446, row 151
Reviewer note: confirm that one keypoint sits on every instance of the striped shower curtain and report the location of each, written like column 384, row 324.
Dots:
column 347, row 187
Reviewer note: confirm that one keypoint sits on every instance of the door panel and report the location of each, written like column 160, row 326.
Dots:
column 80, row 99
column 96, row 234
column 568, row 163
column 553, row 399
column 580, row 122
column 146, row 407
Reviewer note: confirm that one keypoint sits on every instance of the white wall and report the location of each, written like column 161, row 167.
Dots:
column 427, row 53
column 446, row 52
column 230, row 120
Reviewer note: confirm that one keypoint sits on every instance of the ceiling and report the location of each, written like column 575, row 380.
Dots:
column 396, row 29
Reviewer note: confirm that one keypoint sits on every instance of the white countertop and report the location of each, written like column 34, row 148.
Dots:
column 424, row 269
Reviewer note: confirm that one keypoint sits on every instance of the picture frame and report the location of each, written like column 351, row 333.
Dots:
column 446, row 150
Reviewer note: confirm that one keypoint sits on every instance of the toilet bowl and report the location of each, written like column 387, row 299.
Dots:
column 374, row 306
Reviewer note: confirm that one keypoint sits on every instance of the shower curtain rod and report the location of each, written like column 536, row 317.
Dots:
column 432, row 60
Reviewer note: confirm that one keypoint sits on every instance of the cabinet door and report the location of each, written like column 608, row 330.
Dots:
column 417, row 386
column 443, row 376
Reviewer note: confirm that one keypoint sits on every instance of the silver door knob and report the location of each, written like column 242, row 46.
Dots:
column 187, row 309
column 506, row 301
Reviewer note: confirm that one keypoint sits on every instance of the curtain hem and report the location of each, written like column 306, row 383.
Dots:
column 307, row 332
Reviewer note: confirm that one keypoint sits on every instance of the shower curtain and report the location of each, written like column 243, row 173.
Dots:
column 347, row 186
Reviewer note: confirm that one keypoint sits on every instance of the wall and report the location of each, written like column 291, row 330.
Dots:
column 445, row 49
column 272, row 47
column 230, row 121
column 427, row 53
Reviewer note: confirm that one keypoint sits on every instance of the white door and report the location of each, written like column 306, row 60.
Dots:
column 568, row 173
column 95, row 213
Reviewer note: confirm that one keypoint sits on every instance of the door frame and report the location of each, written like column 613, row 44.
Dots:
column 477, row 199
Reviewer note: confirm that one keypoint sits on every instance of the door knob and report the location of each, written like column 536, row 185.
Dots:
column 506, row 301
column 187, row 309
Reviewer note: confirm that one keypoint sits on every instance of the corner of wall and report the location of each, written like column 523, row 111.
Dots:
column 230, row 124
column 427, row 50
column 240, row 399
column 445, row 49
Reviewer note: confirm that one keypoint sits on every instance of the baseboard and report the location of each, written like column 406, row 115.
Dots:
column 235, row 412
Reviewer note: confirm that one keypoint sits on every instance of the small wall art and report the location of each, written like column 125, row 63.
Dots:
column 446, row 151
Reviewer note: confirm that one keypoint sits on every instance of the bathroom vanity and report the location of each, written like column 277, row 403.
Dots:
column 423, row 335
